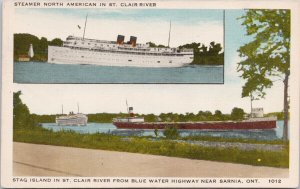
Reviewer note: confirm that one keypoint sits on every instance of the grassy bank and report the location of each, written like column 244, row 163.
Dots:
column 143, row 145
column 239, row 140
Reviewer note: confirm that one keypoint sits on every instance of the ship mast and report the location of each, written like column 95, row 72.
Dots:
column 169, row 35
column 84, row 27
column 62, row 109
column 77, row 108
column 127, row 107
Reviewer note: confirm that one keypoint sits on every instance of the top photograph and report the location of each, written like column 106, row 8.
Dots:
column 118, row 46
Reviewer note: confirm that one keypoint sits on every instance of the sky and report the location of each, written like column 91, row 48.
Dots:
column 149, row 98
column 147, row 24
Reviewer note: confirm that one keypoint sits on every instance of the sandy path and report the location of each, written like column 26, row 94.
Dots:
column 46, row 160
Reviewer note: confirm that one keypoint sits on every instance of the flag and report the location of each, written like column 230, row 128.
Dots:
column 78, row 27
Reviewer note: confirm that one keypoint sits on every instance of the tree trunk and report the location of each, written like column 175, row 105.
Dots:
column 286, row 106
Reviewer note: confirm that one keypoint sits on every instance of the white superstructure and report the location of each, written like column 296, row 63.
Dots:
column 72, row 120
column 79, row 50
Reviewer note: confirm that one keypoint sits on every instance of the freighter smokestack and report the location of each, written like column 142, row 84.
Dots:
column 120, row 39
column 133, row 40
column 131, row 111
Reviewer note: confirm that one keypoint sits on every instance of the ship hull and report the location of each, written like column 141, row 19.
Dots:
column 228, row 125
column 66, row 55
column 71, row 121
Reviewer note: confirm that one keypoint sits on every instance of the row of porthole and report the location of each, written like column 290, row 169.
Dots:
column 106, row 54
column 116, row 59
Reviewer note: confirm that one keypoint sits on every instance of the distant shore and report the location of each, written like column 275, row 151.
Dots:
column 48, row 160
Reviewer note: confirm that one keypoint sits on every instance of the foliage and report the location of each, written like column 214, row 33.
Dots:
column 237, row 114
column 21, row 115
column 267, row 57
column 151, row 44
column 22, row 42
column 279, row 115
column 171, row 133
column 204, row 55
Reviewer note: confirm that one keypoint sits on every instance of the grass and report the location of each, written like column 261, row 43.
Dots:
column 143, row 145
column 240, row 140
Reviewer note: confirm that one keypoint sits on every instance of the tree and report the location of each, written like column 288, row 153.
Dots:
column 266, row 58
column 218, row 115
column 21, row 113
column 237, row 114
column 56, row 42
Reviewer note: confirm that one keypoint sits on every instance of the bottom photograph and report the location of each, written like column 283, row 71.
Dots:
column 126, row 139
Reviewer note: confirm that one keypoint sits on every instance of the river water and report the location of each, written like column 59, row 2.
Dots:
column 40, row 72
column 272, row 134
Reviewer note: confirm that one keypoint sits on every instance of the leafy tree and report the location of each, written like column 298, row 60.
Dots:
column 21, row 114
column 237, row 114
column 218, row 115
column 56, row 42
column 266, row 58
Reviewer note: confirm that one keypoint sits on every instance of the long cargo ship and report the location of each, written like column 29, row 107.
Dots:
column 80, row 50
column 253, row 123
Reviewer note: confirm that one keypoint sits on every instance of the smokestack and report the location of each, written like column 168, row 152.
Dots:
column 131, row 111
column 133, row 41
column 120, row 39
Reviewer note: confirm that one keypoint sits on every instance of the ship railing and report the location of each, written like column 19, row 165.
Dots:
column 126, row 52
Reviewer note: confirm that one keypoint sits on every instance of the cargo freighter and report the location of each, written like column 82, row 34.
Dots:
column 256, row 122
column 81, row 50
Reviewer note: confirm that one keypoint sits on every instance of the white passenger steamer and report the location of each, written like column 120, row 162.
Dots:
column 80, row 50
column 72, row 119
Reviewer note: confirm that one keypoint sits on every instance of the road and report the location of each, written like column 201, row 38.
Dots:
column 47, row 160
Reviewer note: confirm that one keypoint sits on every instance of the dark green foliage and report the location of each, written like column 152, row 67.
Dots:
column 44, row 118
column 237, row 114
column 21, row 115
column 204, row 55
column 171, row 133
column 22, row 42
column 105, row 117
column 267, row 57
column 56, row 42
column 154, row 45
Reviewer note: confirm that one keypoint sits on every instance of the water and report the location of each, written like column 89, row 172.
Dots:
column 110, row 128
column 38, row 72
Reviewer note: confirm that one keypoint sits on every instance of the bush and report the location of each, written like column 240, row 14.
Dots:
column 171, row 133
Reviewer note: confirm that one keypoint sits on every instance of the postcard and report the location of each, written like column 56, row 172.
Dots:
column 150, row 94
